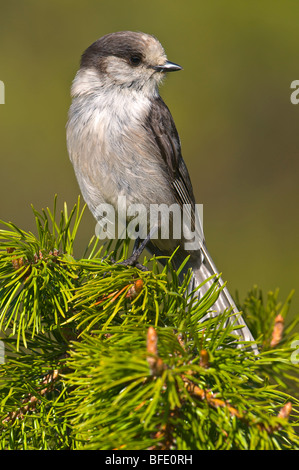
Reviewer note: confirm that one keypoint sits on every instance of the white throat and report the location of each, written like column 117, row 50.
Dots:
column 90, row 82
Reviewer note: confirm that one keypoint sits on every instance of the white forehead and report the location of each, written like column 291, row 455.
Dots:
column 153, row 47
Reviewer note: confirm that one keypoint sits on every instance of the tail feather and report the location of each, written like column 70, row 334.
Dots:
column 204, row 272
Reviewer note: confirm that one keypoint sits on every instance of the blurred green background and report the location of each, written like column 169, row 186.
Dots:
column 231, row 104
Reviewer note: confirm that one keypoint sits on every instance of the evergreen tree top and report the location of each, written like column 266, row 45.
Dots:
column 102, row 356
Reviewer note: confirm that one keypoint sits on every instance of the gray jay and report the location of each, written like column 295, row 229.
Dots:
column 122, row 141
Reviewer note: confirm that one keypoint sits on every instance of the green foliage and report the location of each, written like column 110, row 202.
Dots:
column 102, row 356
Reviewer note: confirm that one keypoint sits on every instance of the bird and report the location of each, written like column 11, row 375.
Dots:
column 124, row 146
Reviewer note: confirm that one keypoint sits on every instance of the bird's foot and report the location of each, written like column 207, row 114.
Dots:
column 133, row 261
column 137, row 250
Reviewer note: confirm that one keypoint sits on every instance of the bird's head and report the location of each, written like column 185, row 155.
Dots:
column 125, row 59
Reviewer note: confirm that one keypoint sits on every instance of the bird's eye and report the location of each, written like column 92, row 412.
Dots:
column 135, row 60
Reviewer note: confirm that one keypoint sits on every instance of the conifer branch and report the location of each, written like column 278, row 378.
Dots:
column 103, row 356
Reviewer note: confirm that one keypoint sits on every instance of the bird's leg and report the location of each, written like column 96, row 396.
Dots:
column 137, row 251
column 136, row 245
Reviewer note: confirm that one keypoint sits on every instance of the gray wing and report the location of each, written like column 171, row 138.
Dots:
column 162, row 130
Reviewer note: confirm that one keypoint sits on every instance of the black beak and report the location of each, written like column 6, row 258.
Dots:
column 168, row 67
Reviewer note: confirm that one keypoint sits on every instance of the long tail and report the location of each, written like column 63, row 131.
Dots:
column 202, row 270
